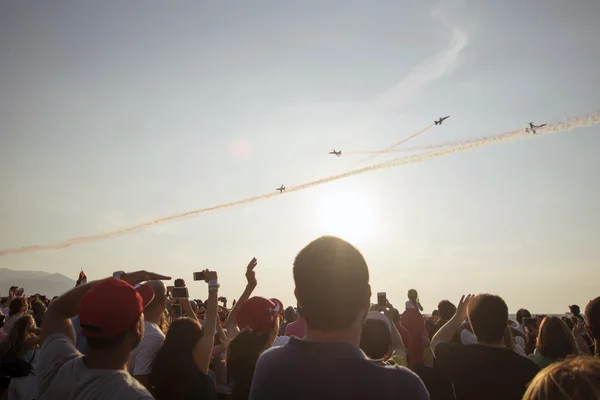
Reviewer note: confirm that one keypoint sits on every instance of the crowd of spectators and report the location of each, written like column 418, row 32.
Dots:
column 130, row 336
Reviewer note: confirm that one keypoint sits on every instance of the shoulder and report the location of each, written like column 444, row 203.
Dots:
column 273, row 355
column 399, row 379
column 123, row 385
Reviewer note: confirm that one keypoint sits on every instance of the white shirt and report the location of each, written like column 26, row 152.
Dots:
column 61, row 374
column 143, row 355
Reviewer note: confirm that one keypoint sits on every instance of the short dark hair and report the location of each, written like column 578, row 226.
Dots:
column 446, row 309
column 592, row 317
column 332, row 283
column 375, row 338
column 522, row 313
column 488, row 316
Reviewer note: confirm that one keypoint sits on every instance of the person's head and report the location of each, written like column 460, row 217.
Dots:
column 258, row 320
column 15, row 341
column 413, row 295
column 260, row 315
column 111, row 316
column 577, row 378
column 488, row 316
column 575, row 310
column 174, row 371
column 522, row 313
column 332, row 285
column 179, row 282
column 38, row 308
column 154, row 309
column 592, row 319
column 435, row 315
column 290, row 314
column 375, row 338
column 17, row 306
column 555, row 340
column 446, row 309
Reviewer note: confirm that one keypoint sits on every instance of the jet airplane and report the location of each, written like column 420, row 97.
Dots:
column 281, row 189
column 533, row 127
column 439, row 121
column 337, row 153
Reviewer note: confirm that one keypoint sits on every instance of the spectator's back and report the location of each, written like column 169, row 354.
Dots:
column 313, row 370
column 332, row 288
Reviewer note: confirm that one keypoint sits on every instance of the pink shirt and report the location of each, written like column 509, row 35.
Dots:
column 296, row 328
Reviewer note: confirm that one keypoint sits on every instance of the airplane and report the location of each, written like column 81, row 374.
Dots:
column 439, row 121
column 533, row 127
column 281, row 189
column 337, row 153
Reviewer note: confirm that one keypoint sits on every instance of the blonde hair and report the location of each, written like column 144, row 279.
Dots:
column 572, row 379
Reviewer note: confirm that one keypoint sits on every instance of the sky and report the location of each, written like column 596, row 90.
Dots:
column 114, row 113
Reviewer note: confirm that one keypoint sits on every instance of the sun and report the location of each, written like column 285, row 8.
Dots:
column 347, row 214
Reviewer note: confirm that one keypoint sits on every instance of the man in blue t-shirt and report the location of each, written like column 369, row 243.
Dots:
column 332, row 288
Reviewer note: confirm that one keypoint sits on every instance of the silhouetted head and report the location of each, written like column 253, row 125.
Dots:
column 522, row 313
column 332, row 284
column 555, row 340
column 375, row 338
column 592, row 319
column 577, row 378
column 488, row 316
column 446, row 309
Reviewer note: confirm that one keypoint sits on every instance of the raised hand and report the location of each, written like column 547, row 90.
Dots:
column 461, row 309
column 133, row 278
column 210, row 275
column 250, row 274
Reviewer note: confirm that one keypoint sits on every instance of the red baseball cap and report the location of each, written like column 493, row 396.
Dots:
column 257, row 313
column 278, row 305
column 112, row 307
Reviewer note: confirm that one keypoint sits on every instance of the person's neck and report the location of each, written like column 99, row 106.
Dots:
column 350, row 335
column 492, row 344
column 106, row 359
column 153, row 317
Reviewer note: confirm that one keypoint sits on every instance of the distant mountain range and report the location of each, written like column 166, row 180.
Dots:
column 35, row 282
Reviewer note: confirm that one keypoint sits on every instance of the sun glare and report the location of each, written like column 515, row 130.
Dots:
column 347, row 214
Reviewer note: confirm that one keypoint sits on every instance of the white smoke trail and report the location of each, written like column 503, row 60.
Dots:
column 562, row 127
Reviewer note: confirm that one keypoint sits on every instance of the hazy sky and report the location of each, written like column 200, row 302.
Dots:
column 113, row 113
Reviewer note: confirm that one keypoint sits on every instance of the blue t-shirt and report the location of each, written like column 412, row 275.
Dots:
column 313, row 370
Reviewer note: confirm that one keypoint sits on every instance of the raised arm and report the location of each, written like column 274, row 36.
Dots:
column 232, row 328
column 57, row 318
column 204, row 347
column 447, row 332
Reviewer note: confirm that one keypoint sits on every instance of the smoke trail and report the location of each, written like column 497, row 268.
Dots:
column 562, row 127
column 396, row 144
column 431, row 146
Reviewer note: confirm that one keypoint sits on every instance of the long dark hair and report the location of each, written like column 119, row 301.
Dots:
column 242, row 354
column 174, row 373
column 14, row 343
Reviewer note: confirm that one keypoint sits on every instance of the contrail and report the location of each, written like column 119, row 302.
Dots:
column 429, row 146
column 387, row 149
column 562, row 127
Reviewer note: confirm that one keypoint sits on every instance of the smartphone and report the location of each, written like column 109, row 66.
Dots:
column 180, row 292
column 199, row 276
column 381, row 299
column 530, row 321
